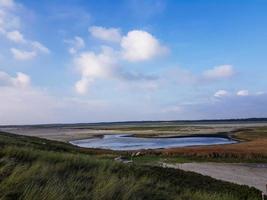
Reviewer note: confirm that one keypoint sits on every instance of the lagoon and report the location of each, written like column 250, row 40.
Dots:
column 125, row 142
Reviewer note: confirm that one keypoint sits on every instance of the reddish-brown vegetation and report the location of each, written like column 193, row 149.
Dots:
column 244, row 149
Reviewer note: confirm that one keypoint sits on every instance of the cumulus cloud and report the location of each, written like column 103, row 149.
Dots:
column 8, row 18
column 21, row 80
column 105, row 65
column 9, row 29
column 82, row 85
column 39, row 47
column 221, row 93
column 106, row 34
column 136, row 45
column 91, row 66
column 96, row 65
column 242, row 93
column 35, row 46
column 76, row 44
column 219, row 72
column 140, row 45
column 15, row 36
column 22, row 55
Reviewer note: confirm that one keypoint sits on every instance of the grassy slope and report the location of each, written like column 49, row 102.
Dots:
column 32, row 168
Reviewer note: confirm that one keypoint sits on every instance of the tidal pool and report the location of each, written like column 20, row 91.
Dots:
column 125, row 142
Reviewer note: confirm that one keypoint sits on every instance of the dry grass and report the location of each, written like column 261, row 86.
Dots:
column 253, row 147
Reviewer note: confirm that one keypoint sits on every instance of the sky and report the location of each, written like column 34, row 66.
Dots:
column 77, row 61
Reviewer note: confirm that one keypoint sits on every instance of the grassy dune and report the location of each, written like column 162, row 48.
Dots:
column 32, row 168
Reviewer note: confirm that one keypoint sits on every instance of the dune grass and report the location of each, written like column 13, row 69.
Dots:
column 32, row 168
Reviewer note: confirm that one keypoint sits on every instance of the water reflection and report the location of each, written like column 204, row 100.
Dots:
column 126, row 142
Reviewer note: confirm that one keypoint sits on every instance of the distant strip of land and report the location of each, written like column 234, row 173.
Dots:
column 251, row 134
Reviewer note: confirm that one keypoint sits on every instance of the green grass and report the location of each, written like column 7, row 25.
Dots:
column 32, row 168
column 155, row 160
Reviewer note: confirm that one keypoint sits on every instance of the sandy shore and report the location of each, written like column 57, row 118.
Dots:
column 254, row 175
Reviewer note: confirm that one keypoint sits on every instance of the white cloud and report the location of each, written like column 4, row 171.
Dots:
column 75, row 44
column 36, row 46
column 105, row 65
column 82, row 85
column 91, row 66
column 8, row 18
column 219, row 72
column 9, row 28
column 5, row 79
column 221, row 93
column 242, row 93
column 15, row 36
column 140, row 45
column 21, row 80
column 137, row 45
column 21, row 103
column 23, row 55
column 106, row 34
column 7, row 3
column 39, row 47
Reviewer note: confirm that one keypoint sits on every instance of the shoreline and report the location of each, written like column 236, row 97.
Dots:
column 219, row 135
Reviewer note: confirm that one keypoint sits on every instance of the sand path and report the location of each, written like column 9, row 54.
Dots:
column 254, row 175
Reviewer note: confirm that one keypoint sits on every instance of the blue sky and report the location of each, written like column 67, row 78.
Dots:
column 91, row 61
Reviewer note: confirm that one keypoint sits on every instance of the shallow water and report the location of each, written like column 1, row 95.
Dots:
column 125, row 142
